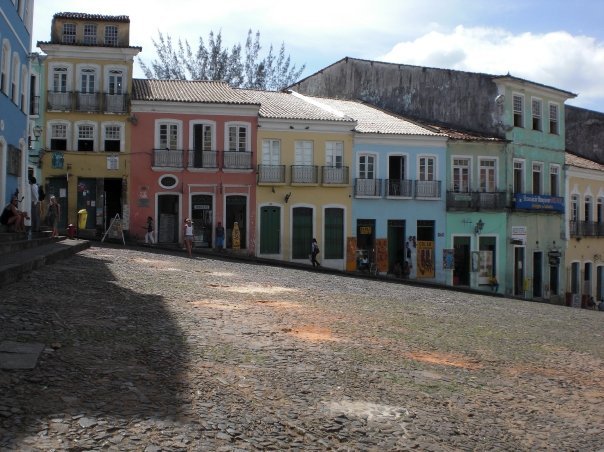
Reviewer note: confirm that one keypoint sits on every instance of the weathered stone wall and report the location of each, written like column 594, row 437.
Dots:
column 585, row 133
column 461, row 99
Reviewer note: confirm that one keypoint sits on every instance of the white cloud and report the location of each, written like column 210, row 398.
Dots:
column 558, row 59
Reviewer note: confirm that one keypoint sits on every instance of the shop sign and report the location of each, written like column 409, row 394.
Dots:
column 519, row 234
column 539, row 202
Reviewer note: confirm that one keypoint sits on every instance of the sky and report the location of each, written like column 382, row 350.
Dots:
column 559, row 43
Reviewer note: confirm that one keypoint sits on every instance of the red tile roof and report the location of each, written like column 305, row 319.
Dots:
column 189, row 91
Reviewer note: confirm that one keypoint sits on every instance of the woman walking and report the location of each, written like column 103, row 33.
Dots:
column 53, row 215
column 188, row 234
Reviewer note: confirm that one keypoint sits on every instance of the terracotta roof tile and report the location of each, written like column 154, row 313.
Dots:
column 279, row 105
column 582, row 162
column 371, row 119
column 189, row 91
column 85, row 16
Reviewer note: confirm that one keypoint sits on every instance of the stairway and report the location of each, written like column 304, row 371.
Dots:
column 20, row 255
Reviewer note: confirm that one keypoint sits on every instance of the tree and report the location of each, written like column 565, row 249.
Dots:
column 243, row 68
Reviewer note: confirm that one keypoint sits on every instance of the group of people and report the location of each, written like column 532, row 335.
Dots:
column 19, row 220
column 187, row 234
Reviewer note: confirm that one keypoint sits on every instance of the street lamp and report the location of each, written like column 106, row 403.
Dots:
column 478, row 227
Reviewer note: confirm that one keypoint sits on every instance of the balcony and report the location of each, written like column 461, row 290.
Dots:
column 115, row 103
column 427, row 189
column 368, row 187
column 237, row 160
column 88, row 102
column 203, row 159
column 168, row 158
column 334, row 175
column 476, row 201
column 60, row 101
column 304, row 174
column 271, row 174
column 585, row 229
column 402, row 188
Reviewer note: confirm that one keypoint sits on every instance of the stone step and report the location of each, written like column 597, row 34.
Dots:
column 22, row 243
column 14, row 265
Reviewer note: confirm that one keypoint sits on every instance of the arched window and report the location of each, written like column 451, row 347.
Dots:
column 4, row 82
column 14, row 92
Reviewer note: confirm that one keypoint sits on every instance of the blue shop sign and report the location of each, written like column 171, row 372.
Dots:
column 543, row 203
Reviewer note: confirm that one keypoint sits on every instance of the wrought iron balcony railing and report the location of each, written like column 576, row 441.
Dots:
column 304, row 174
column 399, row 188
column 368, row 187
column 476, row 200
column 237, row 160
column 271, row 174
column 334, row 175
column 427, row 188
column 168, row 158
column 585, row 229
column 203, row 159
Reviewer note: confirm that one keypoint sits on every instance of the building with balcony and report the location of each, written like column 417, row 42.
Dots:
column 398, row 200
column 15, row 44
column 584, row 215
column 528, row 115
column 193, row 156
column 303, row 178
column 87, row 83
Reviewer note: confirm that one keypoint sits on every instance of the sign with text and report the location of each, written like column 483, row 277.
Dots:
column 538, row 202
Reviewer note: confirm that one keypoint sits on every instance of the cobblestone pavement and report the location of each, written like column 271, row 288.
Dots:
column 148, row 351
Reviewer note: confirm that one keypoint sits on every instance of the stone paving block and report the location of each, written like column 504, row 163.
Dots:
column 19, row 355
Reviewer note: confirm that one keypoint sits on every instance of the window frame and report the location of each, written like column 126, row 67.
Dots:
column 554, row 122
column 15, row 79
column 52, row 127
column 432, row 162
column 522, row 178
column 110, row 39
column 537, row 169
column 374, row 164
column 169, row 123
column 239, row 126
column 5, row 69
column 269, row 149
column 334, row 154
column 554, row 170
column 304, row 152
column 78, row 126
column 518, row 113
column 495, row 182
column 456, row 166
column 120, row 127
column 203, row 124
column 537, row 114
column 69, row 38
column 90, row 39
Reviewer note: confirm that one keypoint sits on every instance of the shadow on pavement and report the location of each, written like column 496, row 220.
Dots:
column 112, row 355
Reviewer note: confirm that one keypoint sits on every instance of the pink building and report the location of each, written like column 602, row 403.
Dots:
column 193, row 156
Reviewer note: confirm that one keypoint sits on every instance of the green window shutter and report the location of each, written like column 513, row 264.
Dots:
column 334, row 233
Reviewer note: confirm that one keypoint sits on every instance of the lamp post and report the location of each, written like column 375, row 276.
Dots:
column 478, row 227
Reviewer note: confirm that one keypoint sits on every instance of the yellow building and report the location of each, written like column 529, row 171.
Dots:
column 86, row 131
column 585, row 233
column 303, row 191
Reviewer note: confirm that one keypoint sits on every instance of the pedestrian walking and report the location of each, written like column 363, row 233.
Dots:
column 188, row 234
column 53, row 215
column 149, row 239
column 219, row 236
column 314, row 250
column 35, row 204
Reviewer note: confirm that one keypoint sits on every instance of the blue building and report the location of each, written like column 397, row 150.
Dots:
column 15, row 45
column 398, row 201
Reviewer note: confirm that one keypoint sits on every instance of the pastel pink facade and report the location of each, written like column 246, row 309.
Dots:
column 193, row 160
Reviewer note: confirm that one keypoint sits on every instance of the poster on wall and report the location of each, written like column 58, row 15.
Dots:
column 448, row 259
column 485, row 270
column 425, row 259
